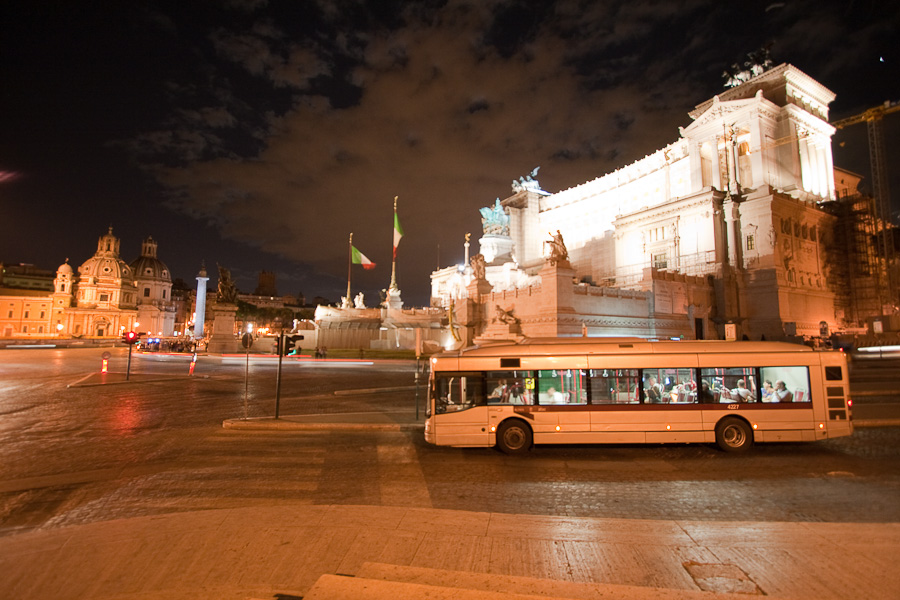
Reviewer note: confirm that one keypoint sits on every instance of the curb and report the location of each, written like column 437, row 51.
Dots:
column 270, row 423
column 362, row 391
column 873, row 423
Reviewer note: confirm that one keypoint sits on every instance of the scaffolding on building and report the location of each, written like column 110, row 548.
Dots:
column 858, row 271
column 883, row 246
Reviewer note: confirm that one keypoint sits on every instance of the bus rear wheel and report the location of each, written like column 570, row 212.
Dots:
column 734, row 435
column 514, row 437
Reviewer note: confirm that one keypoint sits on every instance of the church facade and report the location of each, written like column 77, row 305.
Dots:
column 102, row 299
column 723, row 233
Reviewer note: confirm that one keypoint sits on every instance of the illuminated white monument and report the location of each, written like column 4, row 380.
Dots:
column 724, row 225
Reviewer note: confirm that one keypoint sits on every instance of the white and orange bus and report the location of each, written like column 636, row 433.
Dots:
column 631, row 390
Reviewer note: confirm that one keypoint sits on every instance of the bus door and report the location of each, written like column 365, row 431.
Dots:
column 562, row 402
column 460, row 412
column 615, row 404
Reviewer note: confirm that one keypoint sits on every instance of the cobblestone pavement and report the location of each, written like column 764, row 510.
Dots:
column 85, row 454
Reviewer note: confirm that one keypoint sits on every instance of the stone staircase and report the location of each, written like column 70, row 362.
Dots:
column 377, row 581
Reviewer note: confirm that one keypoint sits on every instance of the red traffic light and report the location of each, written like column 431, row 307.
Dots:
column 130, row 337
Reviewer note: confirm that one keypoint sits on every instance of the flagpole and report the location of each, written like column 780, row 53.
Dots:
column 349, row 264
column 394, row 252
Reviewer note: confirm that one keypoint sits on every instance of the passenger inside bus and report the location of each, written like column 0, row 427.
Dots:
column 500, row 393
column 706, row 395
column 551, row 396
column 684, row 392
column 741, row 393
column 652, row 391
column 782, row 393
column 768, row 392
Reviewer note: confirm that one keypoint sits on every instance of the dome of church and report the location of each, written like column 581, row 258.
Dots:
column 147, row 266
column 65, row 269
column 98, row 267
column 105, row 264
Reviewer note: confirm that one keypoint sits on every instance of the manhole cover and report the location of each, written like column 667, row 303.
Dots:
column 721, row 579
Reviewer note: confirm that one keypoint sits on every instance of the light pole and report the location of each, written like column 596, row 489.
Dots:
column 247, row 341
column 279, row 347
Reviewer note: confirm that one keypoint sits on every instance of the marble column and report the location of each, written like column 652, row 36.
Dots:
column 200, row 314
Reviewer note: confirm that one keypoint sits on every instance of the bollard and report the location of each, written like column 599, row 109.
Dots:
column 105, row 366
column 193, row 362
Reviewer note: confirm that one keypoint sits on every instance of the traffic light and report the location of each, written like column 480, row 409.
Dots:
column 289, row 341
column 131, row 337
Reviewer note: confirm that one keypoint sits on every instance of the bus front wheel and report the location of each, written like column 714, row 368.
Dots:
column 734, row 435
column 514, row 437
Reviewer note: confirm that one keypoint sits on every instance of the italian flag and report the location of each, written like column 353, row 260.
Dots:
column 398, row 233
column 358, row 258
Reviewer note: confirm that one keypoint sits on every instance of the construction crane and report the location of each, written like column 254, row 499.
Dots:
column 873, row 118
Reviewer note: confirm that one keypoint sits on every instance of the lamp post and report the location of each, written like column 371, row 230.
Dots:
column 279, row 323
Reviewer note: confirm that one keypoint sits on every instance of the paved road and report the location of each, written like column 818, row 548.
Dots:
column 76, row 455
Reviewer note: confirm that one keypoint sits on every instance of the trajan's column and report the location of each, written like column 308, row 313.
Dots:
column 200, row 315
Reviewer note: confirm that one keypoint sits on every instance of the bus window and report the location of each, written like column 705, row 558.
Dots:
column 614, row 386
column 562, row 386
column 788, row 384
column 731, row 384
column 458, row 392
column 669, row 385
column 510, row 387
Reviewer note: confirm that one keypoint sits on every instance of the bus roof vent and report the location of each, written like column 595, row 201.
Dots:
column 510, row 363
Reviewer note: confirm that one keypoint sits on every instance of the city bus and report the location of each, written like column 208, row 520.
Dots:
column 634, row 391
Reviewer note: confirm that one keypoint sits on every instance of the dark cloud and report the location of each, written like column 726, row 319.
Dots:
column 282, row 126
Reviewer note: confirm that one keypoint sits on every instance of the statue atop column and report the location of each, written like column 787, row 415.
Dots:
column 226, row 293
column 478, row 267
column 494, row 220
column 527, row 182
column 559, row 255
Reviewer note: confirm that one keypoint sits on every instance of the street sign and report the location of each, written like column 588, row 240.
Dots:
column 246, row 341
column 106, row 356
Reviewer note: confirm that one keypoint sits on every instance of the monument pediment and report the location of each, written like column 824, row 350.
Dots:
column 717, row 110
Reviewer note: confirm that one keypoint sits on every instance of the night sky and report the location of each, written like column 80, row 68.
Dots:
column 258, row 134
